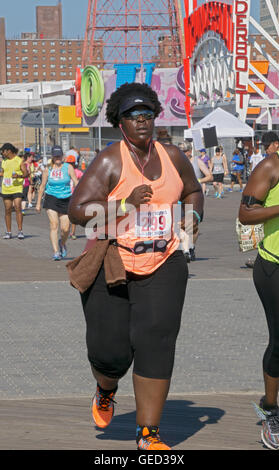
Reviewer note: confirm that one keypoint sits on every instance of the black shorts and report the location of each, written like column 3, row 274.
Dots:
column 218, row 178
column 57, row 205
column 12, row 196
column 136, row 322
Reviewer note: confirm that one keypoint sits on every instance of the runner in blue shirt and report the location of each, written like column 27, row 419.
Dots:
column 238, row 167
column 56, row 183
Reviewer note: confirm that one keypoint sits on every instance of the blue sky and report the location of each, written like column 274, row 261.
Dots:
column 74, row 16
column 21, row 15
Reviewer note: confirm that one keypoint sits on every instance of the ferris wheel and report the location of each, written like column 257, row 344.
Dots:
column 219, row 66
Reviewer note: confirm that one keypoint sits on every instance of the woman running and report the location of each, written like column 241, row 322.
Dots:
column 56, row 183
column 72, row 161
column 203, row 176
column 260, row 204
column 238, row 168
column 139, row 321
column 28, row 159
column 219, row 168
column 205, row 159
column 13, row 172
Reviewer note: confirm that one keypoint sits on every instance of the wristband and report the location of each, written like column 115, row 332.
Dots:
column 196, row 214
column 123, row 205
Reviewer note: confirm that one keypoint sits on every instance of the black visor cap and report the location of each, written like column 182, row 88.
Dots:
column 133, row 101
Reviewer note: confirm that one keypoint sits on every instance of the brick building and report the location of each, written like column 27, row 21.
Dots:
column 43, row 55
column 169, row 54
column 49, row 22
column 266, row 47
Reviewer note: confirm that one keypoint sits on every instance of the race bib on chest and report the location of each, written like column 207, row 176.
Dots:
column 7, row 182
column 56, row 174
column 153, row 224
column 218, row 168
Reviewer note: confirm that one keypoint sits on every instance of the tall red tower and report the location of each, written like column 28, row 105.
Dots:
column 131, row 31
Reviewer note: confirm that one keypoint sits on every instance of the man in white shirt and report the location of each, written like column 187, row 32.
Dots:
column 255, row 159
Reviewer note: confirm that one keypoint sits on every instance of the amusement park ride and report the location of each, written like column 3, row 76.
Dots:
column 211, row 40
column 129, row 30
column 218, row 65
column 205, row 47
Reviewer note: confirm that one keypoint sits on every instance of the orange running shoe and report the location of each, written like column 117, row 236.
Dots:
column 103, row 407
column 148, row 439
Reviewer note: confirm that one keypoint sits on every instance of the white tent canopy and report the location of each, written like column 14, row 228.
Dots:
column 226, row 125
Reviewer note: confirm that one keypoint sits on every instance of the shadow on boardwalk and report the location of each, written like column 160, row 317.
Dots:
column 180, row 419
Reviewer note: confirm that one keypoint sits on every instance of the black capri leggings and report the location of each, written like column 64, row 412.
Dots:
column 266, row 280
column 139, row 321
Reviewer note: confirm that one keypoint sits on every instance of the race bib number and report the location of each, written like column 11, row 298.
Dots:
column 153, row 224
column 219, row 169
column 56, row 174
column 7, row 182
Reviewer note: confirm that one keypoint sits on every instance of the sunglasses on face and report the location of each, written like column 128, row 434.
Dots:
column 146, row 114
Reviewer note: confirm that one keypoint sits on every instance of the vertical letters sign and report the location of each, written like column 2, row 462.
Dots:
column 241, row 55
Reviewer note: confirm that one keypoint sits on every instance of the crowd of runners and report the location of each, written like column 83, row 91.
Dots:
column 133, row 285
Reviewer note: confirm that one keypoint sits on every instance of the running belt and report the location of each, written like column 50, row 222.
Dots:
column 268, row 252
column 154, row 246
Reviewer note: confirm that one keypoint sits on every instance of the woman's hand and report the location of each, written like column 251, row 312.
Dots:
column 140, row 195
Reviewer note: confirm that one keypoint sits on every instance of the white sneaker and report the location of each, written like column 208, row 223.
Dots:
column 20, row 235
column 8, row 236
column 30, row 206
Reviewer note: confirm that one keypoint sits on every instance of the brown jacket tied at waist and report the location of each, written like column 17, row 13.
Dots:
column 83, row 270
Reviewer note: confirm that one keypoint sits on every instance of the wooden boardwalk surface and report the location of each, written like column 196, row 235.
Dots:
column 192, row 422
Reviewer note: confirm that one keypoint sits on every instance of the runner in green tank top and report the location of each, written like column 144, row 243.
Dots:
column 260, row 204
column 13, row 170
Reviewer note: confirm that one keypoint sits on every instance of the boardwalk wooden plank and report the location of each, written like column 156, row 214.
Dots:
column 190, row 422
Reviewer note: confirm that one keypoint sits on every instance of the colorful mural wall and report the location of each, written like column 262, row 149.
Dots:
column 168, row 84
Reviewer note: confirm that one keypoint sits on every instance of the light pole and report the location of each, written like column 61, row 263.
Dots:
column 43, row 126
column 100, row 136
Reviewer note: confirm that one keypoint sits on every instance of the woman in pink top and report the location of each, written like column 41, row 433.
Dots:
column 71, row 159
column 28, row 159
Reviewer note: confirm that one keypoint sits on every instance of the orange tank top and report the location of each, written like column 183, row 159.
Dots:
column 144, row 232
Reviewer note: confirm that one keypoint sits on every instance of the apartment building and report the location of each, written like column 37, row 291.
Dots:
column 266, row 46
column 43, row 55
